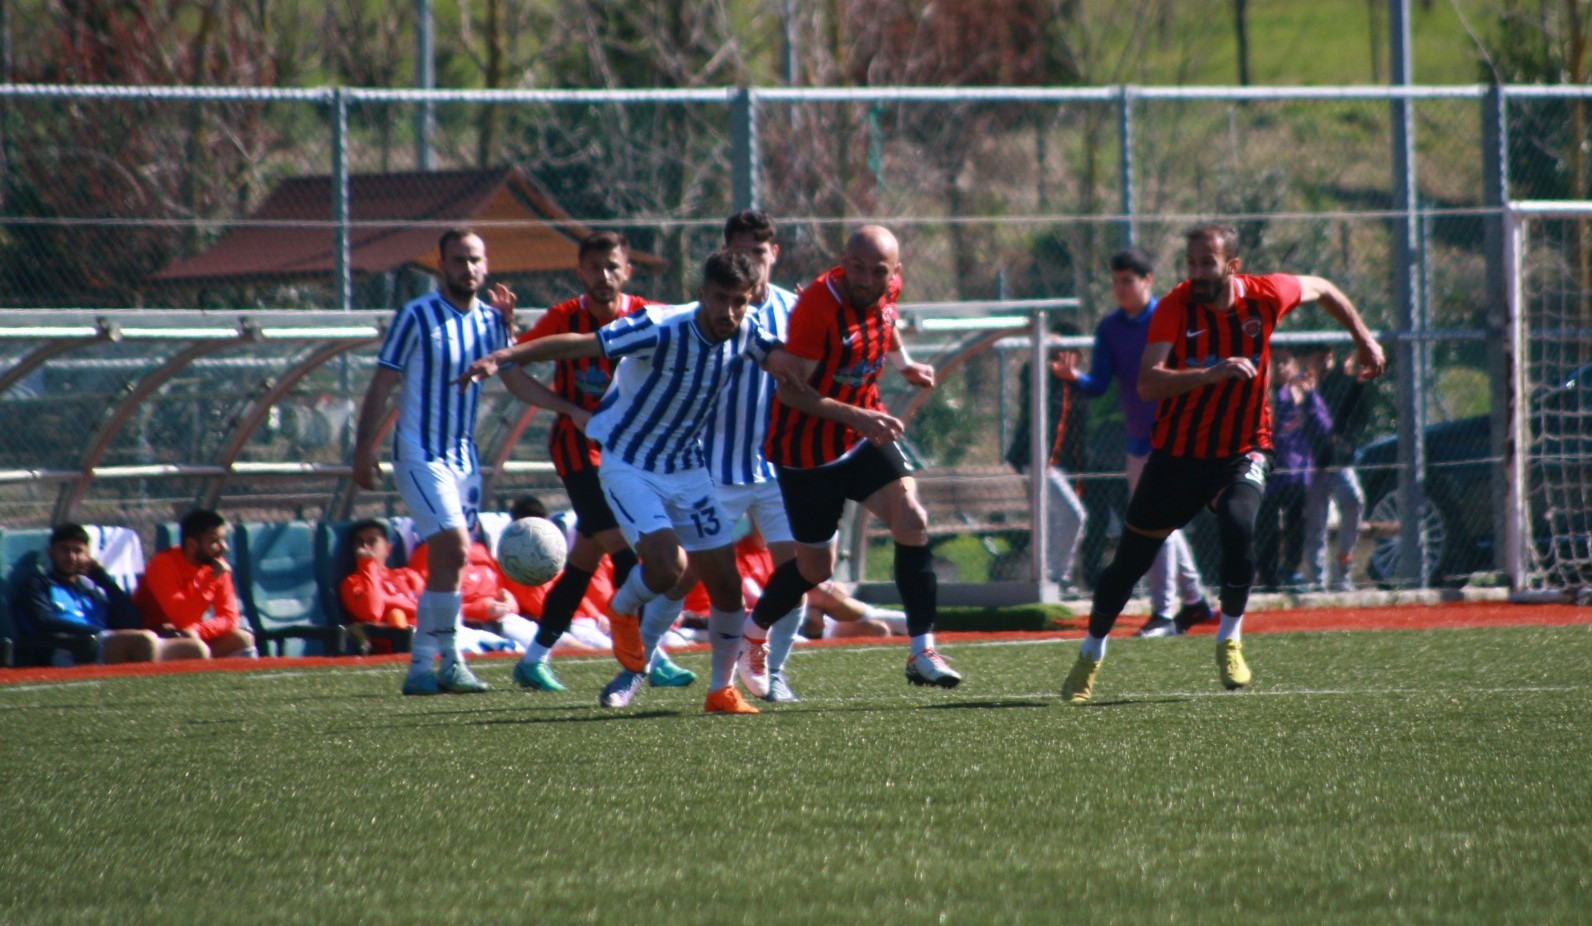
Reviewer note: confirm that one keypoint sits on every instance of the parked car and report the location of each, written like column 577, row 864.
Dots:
column 1458, row 520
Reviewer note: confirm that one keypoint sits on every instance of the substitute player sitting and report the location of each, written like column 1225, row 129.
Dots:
column 674, row 363
column 1207, row 361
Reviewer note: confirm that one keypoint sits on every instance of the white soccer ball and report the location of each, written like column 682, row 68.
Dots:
column 532, row 551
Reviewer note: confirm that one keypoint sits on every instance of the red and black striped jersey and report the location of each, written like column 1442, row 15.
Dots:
column 849, row 345
column 1233, row 416
column 581, row 382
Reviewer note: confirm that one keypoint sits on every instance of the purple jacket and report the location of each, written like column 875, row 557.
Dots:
column 1297, row 431
column 1118, row 350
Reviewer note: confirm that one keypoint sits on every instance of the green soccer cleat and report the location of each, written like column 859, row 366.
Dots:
column 670, row 674
column 458, row 679
column 1230, row 663
column 537, row 676
column 1079, row 686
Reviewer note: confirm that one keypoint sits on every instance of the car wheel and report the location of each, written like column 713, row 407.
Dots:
column 1383, row 565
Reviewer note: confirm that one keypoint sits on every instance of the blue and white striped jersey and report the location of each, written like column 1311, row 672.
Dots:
column 733, row 441
column 432, row 343
column 665, row 384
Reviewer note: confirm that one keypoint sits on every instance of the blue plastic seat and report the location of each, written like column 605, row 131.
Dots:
column 19, row 551
column 278, row 585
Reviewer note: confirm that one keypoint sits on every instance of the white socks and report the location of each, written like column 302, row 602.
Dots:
column 724, row 631
column 657, row 616
column 1093, row 647
column 1230, row 629
column 633, row 594
column 782, row 636
column 437, row 618
column 922, row 644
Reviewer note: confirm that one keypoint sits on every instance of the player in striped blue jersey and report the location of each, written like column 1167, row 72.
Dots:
column 430, row 343
column 673, row 363
column 743, row 480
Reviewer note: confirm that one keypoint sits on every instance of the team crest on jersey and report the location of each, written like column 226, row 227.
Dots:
column 1252, row 327
column 858, row 373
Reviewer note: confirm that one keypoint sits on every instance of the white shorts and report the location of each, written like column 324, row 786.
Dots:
column 684, row 502
column 763, row 502
column 439, row 499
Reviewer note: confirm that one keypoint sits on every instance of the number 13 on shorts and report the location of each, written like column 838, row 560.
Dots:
column 705, row 515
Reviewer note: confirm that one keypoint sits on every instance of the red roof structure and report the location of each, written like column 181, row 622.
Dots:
column 395, row 220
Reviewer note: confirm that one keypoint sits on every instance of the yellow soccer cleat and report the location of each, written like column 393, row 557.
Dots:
column 1230, row 663
column 1079, row 686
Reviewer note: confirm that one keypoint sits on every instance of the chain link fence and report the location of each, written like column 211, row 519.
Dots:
column 243, row 202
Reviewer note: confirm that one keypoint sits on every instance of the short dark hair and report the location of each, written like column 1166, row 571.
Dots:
column 753, row 222
column 199, row 522
column 528, row 506
column 368, row 524
column 731, row 268
column 1133, row 260
column 1225, row 235
column 454, row 234
column 602, row 242
column 69, row 533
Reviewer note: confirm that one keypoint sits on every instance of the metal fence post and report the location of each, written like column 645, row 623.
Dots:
column 340, row 251
column 1500, row 363
column 1125, row 164
column 743, row 147
column 1411, row 349
column 1039, row 458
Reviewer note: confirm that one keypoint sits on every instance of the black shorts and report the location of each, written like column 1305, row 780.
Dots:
column 592, row 514
column 815, row 499
column 1172, row 490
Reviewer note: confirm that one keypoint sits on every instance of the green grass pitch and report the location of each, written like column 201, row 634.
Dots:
column 1386, row 777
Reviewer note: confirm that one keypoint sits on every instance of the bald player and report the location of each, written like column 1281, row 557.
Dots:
column 834, row 440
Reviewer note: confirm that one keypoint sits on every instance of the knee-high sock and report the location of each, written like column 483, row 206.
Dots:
column 657, row 616
column 629, row 597
column 784, row 591
column 782, row 636
column 724, row 632
column 1235, row 521
column 918, row 585
column 563, row 600
column 1135, row 553
column 437, row 619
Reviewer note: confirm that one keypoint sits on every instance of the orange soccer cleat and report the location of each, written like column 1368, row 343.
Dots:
column 728, row 700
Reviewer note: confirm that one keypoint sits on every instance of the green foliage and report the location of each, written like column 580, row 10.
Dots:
column 1362, row 780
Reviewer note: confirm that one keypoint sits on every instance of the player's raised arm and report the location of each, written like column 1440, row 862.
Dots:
column 1368, row 353
column 530, row 391
column 553, row 347
column 879, row 427
column 920, row 375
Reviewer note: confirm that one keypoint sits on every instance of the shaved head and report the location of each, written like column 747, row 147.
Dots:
column 872, row 242
column 872, row 261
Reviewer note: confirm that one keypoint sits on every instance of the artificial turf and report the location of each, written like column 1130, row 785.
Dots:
column 1434, row 776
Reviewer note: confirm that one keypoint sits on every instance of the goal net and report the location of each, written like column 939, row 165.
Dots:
column 1551, row 345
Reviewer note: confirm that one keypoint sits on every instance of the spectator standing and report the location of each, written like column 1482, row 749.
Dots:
column 1335, row 481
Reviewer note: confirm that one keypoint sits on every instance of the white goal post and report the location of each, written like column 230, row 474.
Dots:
column 1548, row 342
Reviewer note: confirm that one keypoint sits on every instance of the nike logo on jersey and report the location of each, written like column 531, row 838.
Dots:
column 1195, row 334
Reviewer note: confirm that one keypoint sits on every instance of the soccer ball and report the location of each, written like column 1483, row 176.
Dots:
column 532, row 551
